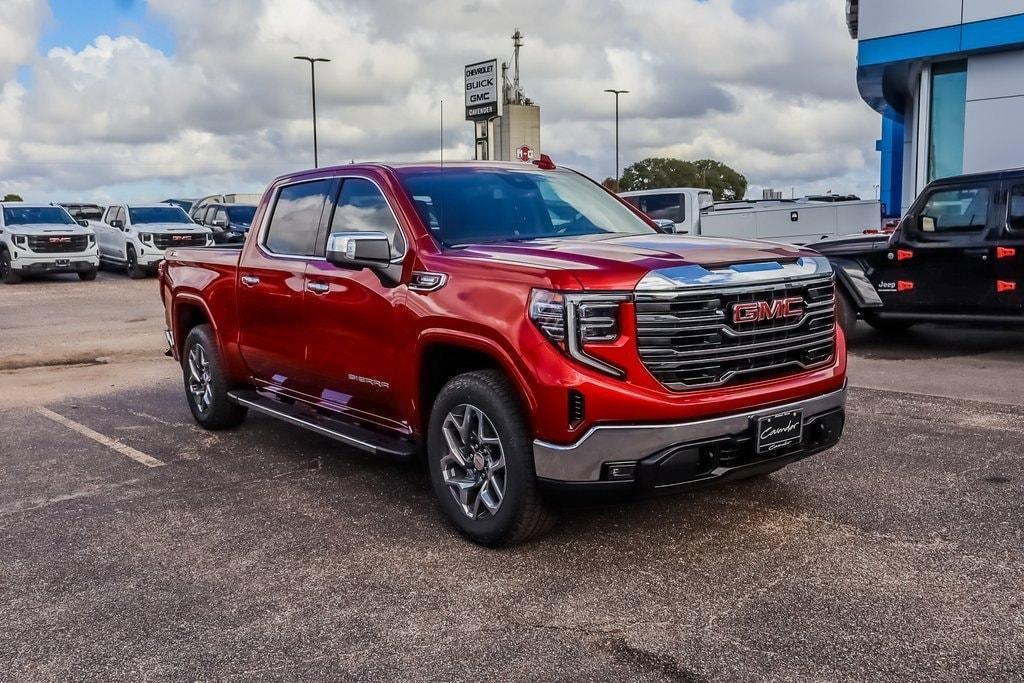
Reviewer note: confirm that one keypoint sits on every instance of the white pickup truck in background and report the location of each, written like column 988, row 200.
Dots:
column 693, row 211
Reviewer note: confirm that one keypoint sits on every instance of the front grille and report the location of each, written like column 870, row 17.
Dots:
column 188, row 240
column 58, row 244
column 687, row 338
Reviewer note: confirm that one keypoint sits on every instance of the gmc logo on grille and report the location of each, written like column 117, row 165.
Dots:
column 759, row 311
column 60, row 240
column 179, row 238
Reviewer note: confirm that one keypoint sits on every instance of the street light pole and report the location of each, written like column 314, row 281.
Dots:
column 616, row 93
column 312, row 76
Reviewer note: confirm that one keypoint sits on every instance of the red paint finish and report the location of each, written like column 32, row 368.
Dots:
column 355, row 343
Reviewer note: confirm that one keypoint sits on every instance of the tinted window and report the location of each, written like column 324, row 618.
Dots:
column 662, row 206
column 37, row 215
column 296, row 218
column 1015, row 219
column 961, row 210
column 466, row 205
column 361, row 207
column 241, row 213
column 158, row 214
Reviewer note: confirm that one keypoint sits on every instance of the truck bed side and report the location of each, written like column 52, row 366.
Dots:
column 198, row 286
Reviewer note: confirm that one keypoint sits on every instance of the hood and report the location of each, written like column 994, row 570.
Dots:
column 170, row 228
column 619, row 262
column 49, row 229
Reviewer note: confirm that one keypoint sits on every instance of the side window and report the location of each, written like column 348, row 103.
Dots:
column 296, row 218
column 110, row 214
column 664, row 207
column 220, row 215
column 957, row 210
column 1015, row 212
column 120, row 215
column 361, row 206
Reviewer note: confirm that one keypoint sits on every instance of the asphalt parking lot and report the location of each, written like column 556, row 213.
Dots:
column 134, row 545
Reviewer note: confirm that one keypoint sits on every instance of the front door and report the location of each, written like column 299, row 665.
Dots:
column 271, row 286
column 352, row 340
column 1010, row 253
column 943, row 259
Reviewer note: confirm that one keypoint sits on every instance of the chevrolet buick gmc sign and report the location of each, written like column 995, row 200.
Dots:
column 482, row 90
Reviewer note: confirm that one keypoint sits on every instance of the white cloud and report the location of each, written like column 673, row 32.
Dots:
column 772, row 93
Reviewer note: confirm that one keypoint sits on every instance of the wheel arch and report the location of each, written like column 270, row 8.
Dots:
column 852, row 279
column 441, row 356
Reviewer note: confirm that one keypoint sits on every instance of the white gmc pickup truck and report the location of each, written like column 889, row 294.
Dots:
column 135, row 236
column 39, row 238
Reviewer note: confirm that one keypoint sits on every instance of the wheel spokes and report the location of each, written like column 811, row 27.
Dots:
column 473, row 467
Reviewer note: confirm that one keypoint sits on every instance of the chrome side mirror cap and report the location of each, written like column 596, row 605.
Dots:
column 370, row 249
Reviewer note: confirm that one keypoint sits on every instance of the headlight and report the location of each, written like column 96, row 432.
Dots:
column 146, row 237
column 571, row 321
column 20, row 241
column 92, row 241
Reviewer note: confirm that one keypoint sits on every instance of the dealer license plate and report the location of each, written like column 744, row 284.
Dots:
column 778, row 432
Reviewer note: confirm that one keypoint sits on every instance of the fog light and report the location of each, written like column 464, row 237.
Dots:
column 619, row 471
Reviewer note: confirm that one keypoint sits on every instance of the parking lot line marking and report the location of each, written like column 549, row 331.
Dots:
column 113, row 444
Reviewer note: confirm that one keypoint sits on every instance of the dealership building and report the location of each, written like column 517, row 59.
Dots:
column 947, row 76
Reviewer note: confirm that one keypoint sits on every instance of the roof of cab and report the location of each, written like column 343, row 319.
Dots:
column 419, row 165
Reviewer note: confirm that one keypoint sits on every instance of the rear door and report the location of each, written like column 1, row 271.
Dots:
column 943, row 261
column 1010, row 253
column 272, row 283
column 353, row 344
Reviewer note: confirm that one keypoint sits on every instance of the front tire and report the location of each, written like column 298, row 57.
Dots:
column 887, row 326
column 206, row 383
column 7, row 273
column 846, row 313
column 135, row 271
column 480, row 454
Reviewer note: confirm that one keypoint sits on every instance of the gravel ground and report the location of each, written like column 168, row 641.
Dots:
column 270, row 553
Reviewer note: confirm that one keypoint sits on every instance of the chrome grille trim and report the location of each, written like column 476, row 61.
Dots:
column 686, row 344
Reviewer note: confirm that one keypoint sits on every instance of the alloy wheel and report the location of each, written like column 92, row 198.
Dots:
column 473, row 468
column 199, row 384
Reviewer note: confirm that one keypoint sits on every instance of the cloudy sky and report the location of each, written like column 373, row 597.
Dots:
column 135, row 100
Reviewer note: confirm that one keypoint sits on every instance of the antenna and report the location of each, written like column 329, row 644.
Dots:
column 517, row 42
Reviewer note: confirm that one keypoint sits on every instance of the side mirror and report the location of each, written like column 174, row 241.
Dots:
column 84, row 223
column 926, row 223
column 665, row 225
column 117, row 223
column 359, row 249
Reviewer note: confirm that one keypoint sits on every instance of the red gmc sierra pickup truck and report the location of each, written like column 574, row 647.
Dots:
column 520, row 327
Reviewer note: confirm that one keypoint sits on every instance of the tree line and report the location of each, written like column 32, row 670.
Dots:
column 657, row 172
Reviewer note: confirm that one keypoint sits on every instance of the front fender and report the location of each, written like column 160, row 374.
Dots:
column 850, row 275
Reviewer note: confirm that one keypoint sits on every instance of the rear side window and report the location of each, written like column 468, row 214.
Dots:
column 663, row 206
column 361, row 207
column 1015, row 217
column 959, row 210
column 296, row 218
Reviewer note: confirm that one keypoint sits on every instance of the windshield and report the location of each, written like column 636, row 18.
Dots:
column 37, row 215
column 467, row 205
column 158, row 214
column 241, row 214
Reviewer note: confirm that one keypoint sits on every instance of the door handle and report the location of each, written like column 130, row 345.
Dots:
column 250, row 280
column 318, row 287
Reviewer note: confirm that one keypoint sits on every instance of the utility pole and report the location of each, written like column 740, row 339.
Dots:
column 312, row 75
column 616, row 93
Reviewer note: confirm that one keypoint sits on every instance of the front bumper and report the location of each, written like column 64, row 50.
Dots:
column 663, row 457
column 55, row 263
